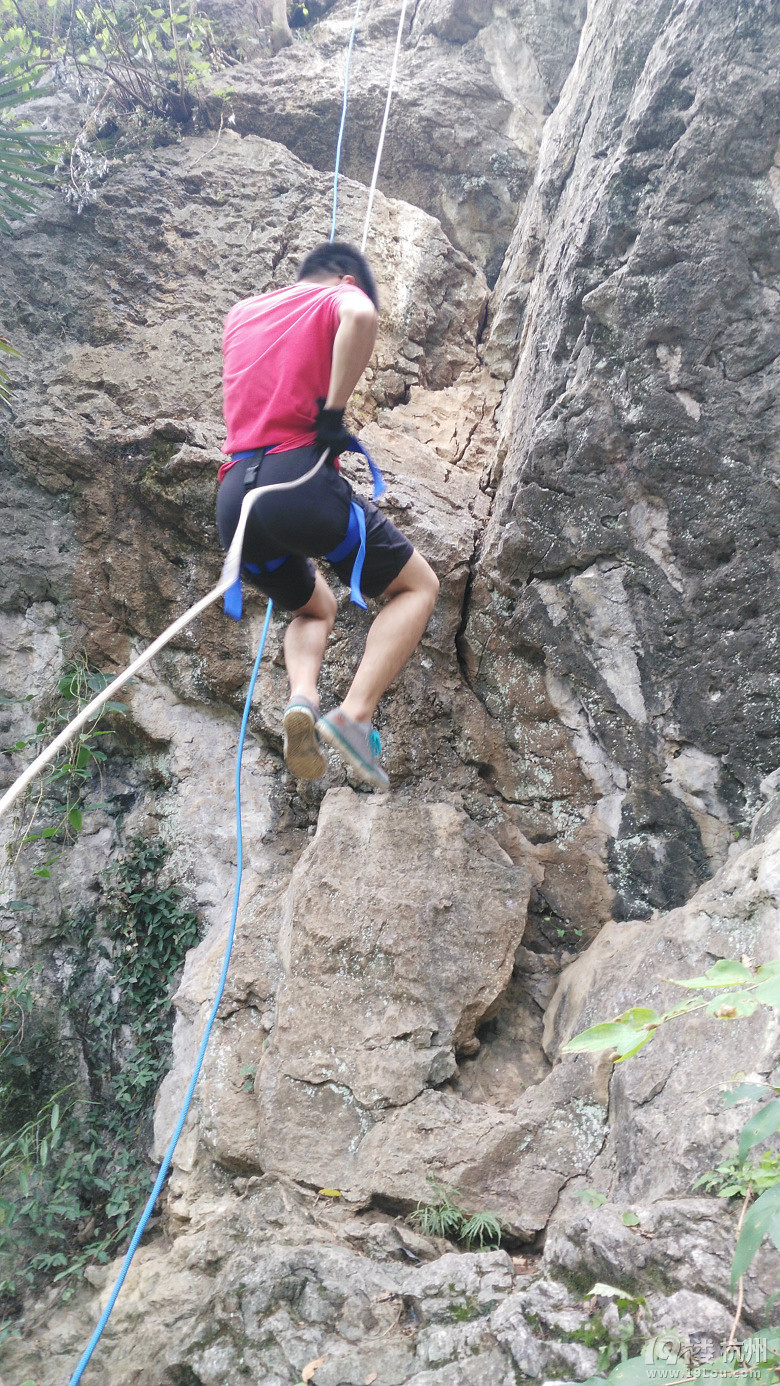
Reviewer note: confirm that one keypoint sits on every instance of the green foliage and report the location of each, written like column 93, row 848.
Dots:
column 592, row 1198
column 668, row 1360
column 735, row 1175
column 596, row 1334
column 73, row 1176
column 25, row 161
column 442, row 1216
column 147, row 55
column 25, row 157
column 736, row 1178
column 482, row 1229
column 759, row 1128
column 61, row 788
column 16, row 1003
column 5, row 384
column 629, row 1032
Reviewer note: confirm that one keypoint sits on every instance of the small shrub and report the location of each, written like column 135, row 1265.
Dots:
column 442, row 1216
column 736, row 1178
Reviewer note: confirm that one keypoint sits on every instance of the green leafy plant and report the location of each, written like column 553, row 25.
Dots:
column 596, row 1334
column 5, row 384
column 59, row 800
column 482, row 1229
column 25, row 157
column 735, row 1178
column 442, row 1216
column 629, row 1032
column 75, row 1174
column 147, row 55
column 736, row 1175
column 747, row 989
column 592, row 1198
column 16, row 1003
column 666, row 1359
column 25, row 161
column 137, row 61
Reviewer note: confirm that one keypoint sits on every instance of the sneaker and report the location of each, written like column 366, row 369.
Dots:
column 302, row 750
column 357, row 746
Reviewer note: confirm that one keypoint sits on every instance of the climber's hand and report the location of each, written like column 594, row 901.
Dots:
column 330, row 430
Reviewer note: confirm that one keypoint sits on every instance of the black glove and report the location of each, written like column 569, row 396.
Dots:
column 330, row 430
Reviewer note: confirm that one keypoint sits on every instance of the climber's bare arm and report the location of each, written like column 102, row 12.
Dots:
column 352, row 348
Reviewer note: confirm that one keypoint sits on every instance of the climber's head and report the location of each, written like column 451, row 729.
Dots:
column 341, row 260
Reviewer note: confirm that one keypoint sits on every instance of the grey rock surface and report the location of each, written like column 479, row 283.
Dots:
column 635, row 320
column 117, row 411
column 667, row 1121
column 370, row 1001
column 279, row 1283
column 474, row 85
column 588, row 457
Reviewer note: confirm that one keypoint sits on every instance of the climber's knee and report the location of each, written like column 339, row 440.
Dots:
column 417, row 576
column 322, row 605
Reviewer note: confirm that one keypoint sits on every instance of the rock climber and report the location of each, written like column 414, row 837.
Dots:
column 292, row 358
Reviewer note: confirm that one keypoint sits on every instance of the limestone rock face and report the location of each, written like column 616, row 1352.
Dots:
column 587, row 455
column 281, row 1281
column 261, row 1272
column 668, row 1123
column 631, row 544
column 118, row 413
column 474, row 85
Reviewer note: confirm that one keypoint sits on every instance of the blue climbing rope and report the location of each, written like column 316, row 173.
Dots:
column 343, row 120
column 185, row 1107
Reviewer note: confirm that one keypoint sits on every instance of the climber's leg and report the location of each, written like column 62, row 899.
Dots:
column 395, row 633
column 306, row 638
column 304, row 647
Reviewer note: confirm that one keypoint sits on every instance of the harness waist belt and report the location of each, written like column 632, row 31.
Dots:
column 355, row 536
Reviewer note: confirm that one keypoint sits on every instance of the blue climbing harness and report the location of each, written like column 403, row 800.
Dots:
column 355, row 536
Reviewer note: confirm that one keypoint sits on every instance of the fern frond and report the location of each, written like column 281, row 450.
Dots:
column 5, row 396
column 24, row 155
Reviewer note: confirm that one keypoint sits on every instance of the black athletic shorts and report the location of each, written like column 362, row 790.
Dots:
column 307, row 522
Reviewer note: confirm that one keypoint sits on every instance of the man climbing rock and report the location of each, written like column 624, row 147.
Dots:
column 292, row 358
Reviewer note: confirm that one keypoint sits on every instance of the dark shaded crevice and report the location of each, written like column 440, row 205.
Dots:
column 460, row 634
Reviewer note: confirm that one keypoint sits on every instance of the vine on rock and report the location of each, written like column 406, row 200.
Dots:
column 56, row 812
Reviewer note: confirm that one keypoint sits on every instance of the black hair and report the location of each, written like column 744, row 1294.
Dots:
column 339, row 257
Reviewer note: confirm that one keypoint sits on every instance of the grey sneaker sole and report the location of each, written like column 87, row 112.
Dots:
column 302, row 751
column 367, row 771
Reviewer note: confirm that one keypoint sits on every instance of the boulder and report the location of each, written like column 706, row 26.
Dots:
column 473, row 86
column 376, row 997
column 667, row 1121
